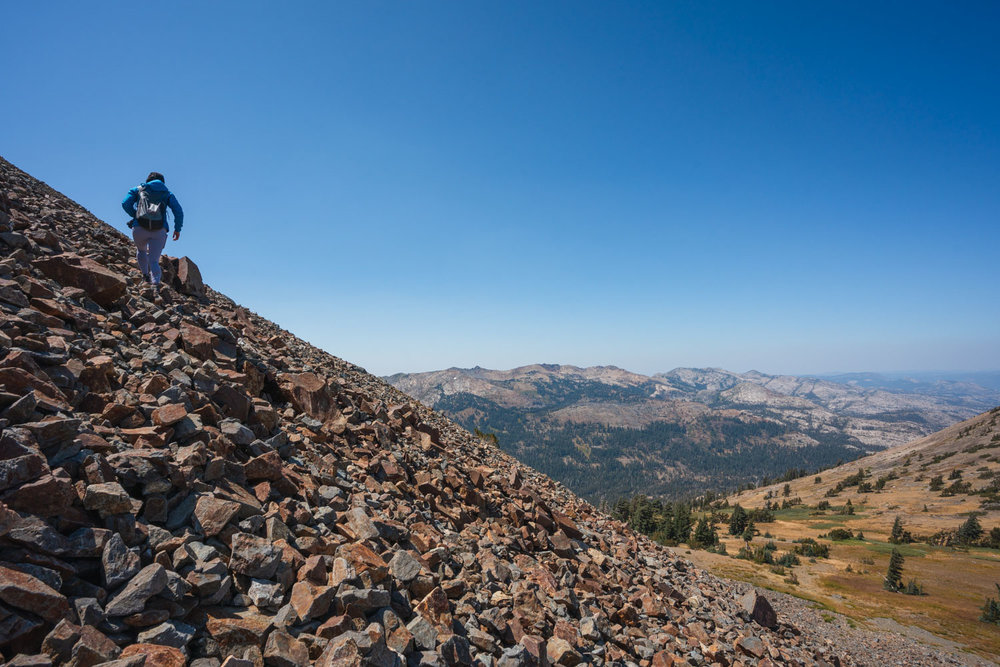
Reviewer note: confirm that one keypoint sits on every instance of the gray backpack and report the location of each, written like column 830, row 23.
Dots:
column 151, row 211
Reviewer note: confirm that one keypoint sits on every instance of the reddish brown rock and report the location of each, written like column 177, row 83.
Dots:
column 169, row 415
column 93, row 648
column 107, row 498
column 156, row 655
column 561, row 652
column 23, row 591
column 254, row 556
column 283, row 650
column 189, row 278
column 267, row 466
column 21, row 381
column 436, row 608
column 197, row 341
column 309, row 600
column 103, row 286
column 213, row 514
column 232, row 632
column 47, row 496
column 310, row 394
column 334, row 626
column 364, row 560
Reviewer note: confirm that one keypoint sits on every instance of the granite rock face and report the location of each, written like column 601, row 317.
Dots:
column 216, row 491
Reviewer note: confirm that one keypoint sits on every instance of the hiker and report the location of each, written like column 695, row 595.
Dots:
column 148, row 204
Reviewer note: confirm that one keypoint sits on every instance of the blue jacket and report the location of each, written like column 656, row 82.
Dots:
column 132, row 198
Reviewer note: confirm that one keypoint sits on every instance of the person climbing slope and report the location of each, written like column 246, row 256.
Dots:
column 147, row 204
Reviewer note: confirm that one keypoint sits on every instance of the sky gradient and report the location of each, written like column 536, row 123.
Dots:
column 781, row 186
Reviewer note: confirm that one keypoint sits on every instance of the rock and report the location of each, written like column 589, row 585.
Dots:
column 436, row 608
column 266, row 466
column 103, row 286
column 119, row 563
column 423, row 631
column 196, row 341
column 283, row 650
column 23, row 591
column 189, row 278
column 237, row 432
column 309, row 394
column 759, row 609
column 254, row 556
column 455, row 651
column 214, row 514
column 150, row 581
column 361, row 524
column 561, row 652
column 265, row 594
column 93, row 648
column 156, row 655
column 404, row 567
column 169, row 633
column 235, row 632
column 233, row 661
column 170, row 414
column 309, row 600
column 751, row 645
column 59, row 643
column 47, row 496
column 107, row 498
column 88, row 611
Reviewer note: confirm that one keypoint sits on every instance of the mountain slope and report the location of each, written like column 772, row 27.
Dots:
column 182, row 481
column 607, row 432
column 931, row 487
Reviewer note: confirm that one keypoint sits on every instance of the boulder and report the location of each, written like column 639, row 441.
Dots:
column 150, row 581
column 102, row 285
column 26, row 592
column 309, row 393
column 760, row 609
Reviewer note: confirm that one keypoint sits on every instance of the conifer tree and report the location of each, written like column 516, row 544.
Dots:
column 896, row 537
column 970, row 531
column 704, row 534
column 748, row 533
column 894, row 577
column 991, row 610
column 682, row 522
column 738, row 521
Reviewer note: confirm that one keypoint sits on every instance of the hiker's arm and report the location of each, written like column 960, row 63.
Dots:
column 175, row 206
column 130, row 201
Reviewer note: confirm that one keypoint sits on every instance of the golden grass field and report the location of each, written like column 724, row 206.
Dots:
column 957, row 581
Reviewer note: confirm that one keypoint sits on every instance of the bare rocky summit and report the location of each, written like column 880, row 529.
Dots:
column 183, row 482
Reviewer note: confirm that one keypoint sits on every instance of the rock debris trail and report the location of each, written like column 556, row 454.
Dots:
column 183, row 482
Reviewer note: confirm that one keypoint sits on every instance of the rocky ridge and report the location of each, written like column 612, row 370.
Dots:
column 183, row 482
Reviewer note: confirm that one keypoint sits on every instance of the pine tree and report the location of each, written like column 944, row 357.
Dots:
column 682, row 522
column 970, row 531
column 897, row 532
column 738, row 521
column 991, row 610
column 748, row 533
column 704, row 534
column 622, row 510
column 894, row 577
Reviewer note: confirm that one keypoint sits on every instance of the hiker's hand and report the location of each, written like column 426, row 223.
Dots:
column 177, row 236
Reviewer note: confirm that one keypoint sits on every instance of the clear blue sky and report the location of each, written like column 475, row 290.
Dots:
column 787, row 186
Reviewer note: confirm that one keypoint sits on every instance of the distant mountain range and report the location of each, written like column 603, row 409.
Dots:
column 606, row 432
